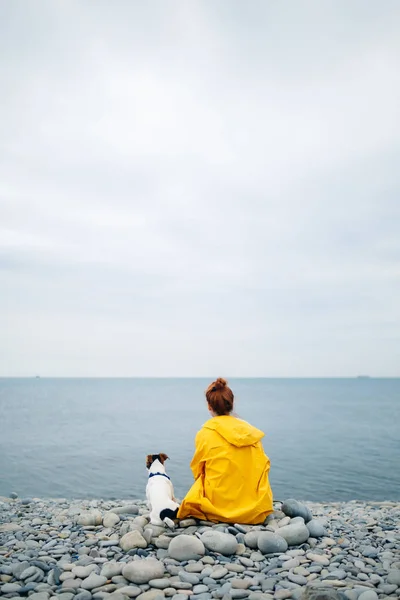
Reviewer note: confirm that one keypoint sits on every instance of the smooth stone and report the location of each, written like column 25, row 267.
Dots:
column 292, row 563
column 19, row 568
column 241, row 584
column 294, row 534
column 131, row 540
column 84, row 595
column 71, row 583
column 187, row 523
column 218, row 573
column 116, row 596
column 216, row 541
column 370, row 595
column 322, row 559
column 283, row 594
column 337, row 574
column 200, row 589
column 32, row 574
column 299, row 579
column 111, row 569
column 10, row 588
column 110, row 519
column 129, row 509
column 160, row 584
column 196, row 567
column 39, row 596
column 235, row 568
column 142, row 571
column 186, row 547
column 251, row 539
column 271, row 543
column 162, row 542
column 388, row 588
column 247, row 562
column 151, row 595
column 370, row 552
column 181, row 585
column 320, row 593
column 316, row 528
column 88, row 518
column 93, row 581
column 13, row 495
column 394, row 577
column 132, row 591
column 256, row 556
column 292, row 508
column 238, row 594
column 83, row 572
column 189, row 577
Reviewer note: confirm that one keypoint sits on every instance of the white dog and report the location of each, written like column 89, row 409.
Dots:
column 160, row 492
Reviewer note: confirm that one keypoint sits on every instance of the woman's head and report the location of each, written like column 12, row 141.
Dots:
column 220, row 397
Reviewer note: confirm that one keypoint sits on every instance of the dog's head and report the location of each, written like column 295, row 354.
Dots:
column 150, row 458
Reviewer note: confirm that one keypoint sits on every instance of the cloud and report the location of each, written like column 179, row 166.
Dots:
column 199, row 189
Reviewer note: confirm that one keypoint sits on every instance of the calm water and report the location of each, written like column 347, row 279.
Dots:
column 327, row 439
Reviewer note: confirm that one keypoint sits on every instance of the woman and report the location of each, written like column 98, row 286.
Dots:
column 229, row 466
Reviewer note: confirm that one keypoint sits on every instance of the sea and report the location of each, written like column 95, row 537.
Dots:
column 328, row 439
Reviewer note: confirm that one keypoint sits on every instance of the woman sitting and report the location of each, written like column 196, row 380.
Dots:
column 229, row 465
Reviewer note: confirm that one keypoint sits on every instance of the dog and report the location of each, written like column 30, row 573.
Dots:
column 160, row 492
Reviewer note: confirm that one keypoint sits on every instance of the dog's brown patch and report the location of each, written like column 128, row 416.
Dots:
column 150, row 458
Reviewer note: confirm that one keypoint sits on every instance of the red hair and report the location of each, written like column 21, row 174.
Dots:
column 220, row 397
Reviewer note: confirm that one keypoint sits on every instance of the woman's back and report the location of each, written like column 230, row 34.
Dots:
column 231, row 472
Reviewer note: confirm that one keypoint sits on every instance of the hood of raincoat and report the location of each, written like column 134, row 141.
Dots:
column 235, row 431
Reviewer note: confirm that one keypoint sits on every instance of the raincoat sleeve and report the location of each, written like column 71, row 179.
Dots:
column 199, row 458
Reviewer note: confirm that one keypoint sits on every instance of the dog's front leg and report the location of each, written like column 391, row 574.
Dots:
column 148, row 501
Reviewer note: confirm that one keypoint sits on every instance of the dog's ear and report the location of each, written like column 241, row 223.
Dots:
column 163, row 458
column 149, row 461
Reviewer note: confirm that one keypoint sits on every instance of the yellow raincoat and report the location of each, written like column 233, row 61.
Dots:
column 230, row 469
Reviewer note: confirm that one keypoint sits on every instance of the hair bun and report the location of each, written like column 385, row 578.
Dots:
column 220, row 383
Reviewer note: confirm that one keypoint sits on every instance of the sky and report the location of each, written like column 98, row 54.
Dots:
column 200, row 188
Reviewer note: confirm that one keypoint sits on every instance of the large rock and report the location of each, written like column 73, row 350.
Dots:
column 186, row 547
column 90, row 518
column 216, row 541
column 110, row 519
column 294, row 534
column 141, row 571
column 270, row 543
column 292, row 508
column 316, row 528
column 131, row 540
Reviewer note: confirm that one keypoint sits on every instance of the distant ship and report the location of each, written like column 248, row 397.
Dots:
column 363, row 377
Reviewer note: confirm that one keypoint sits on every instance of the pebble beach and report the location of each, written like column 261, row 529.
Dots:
column 101, row 549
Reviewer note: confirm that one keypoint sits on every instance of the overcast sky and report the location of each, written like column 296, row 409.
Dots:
column 199, row 188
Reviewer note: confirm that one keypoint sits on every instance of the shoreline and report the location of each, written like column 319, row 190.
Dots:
column 99, row 549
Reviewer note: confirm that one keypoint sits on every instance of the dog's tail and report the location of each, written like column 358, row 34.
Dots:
column 167, row 515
